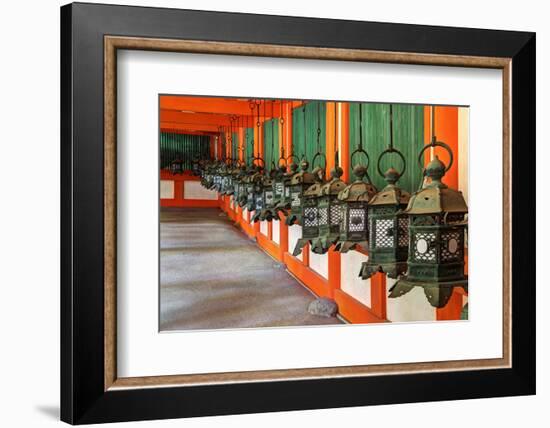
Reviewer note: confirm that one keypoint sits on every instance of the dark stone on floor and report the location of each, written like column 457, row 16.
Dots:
column 323, row 307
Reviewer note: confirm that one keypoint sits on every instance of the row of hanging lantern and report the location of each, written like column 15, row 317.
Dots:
column 418, row 239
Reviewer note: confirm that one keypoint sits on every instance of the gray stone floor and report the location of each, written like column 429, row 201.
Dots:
column 212, row 276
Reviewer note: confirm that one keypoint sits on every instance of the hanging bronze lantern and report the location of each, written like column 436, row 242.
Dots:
column 437, row 223
column 388, row 225
column 278, row 186
column 226, row 176
column 281, row 173
column 284, row 202
column 176, row 166
column 329, row 206
column 238, row 185
column 265, row 204
column 233, row 174
column 217, row 176
column 310, row 216
column 299, row 183
column 254, row 188
column 264, row 199
column 330, row 212
column 310, row 211
column 354, row 207
column 195, row 167
column 354, row 200
column 245, row 185
column 210, row 174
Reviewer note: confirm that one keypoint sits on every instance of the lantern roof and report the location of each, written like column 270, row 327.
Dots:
column 315, row 189
column 267, row 180
column 334, row 185
column 435, row 197
column 359, row 190
column 279, row 173
column 391, row 194
column 303, row 176
column 254, row 174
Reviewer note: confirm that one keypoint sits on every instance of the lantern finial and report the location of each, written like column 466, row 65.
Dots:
column 391, row 176
column 436, row 170
column 336, row 172
column 359, row 171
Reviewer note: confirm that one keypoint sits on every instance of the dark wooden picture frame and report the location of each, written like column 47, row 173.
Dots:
column 90, row 37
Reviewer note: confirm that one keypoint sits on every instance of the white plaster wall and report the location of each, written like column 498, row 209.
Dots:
column 412, row 306
column 263, row 227
column 294, row 233
column 243, row 213
column 194, row 190
column 276, row 232
column 166, row 189
column 319, row 263
column 351, row 283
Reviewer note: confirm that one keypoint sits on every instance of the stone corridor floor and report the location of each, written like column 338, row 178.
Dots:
column 212, row 276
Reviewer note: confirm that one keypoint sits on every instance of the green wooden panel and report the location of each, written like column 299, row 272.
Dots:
column 304, row 137
column 186, row 147
column 249, row 145
column 408, row 135
column 271, row 143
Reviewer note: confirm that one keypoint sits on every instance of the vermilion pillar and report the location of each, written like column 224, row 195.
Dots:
column 286, row 142
column 333, row 126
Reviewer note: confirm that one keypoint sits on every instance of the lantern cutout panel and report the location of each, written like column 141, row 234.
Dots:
column 299, row 183
column 437, row 223
column 283, row 204
column 388, row 230
column 310, row 212
column 354, row 208
column 330, row 212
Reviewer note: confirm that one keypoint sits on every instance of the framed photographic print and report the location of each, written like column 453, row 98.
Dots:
column 265, row 213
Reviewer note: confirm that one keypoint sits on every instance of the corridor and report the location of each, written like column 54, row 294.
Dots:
column 213, row 276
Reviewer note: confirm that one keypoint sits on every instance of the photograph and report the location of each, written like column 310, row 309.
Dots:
column 282, row 212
